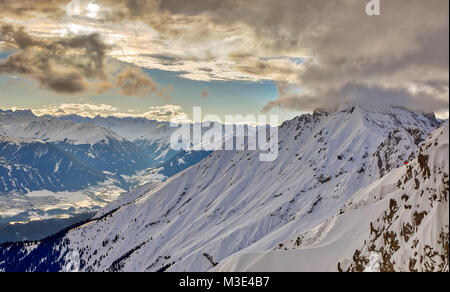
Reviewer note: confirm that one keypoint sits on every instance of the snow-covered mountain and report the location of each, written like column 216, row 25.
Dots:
column 115, row 146
column 153, row 137
column 55, row 167
column 231, row 203
column 181, row 161
column 398, row 223
column 29, row 165
column 97, row 147
column 24, row 124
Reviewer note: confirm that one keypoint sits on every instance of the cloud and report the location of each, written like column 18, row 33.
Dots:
column 165, row 113
column 72, row 64
column 25, row 9
column 63, row 65
column 85, row 110
column 162, row 40
column 343, row 51
column 400, row 57
column 104, row 86
column 443, row 115
column 371, row 97
column 135, row 82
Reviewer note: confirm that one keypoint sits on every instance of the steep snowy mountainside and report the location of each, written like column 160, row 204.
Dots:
column 412, row 234
column 21, row 178
column 163, row 171
column 126, row 199
column 181, row 161
column 398, row 223
column 30, row 165
column 52, row 168
column 231, row 202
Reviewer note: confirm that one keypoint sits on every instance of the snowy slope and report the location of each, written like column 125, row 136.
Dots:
column 231, row 202
column 181, row 161
column 163, row 171
column 398, row 223
column 29, row 165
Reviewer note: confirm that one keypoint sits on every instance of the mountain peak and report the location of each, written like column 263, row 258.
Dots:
column 323, row 160
column 376, row 119
column 24, row 124
column 23, row 113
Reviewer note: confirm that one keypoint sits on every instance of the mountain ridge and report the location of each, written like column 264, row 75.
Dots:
column 235, row 202
column 400, row 221
column 44, row 166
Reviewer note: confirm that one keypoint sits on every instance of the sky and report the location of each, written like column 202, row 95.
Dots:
column 159, row 58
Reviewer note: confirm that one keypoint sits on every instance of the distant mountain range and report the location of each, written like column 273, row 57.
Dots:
column 152, row 137
column 56, row 169
column 70, row 153
column 352, row 189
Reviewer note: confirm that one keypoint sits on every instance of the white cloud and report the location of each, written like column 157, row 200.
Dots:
column 442, row 115
column 85, row 110
column 209, row 58
column 158, row 113
column 83, row 8
column 343, row 51
column 165, row 113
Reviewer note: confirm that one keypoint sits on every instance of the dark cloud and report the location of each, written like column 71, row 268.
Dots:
column 403, row 52
column 65, row 83
column 197, row 6
column 346, row 51
column 371, row 97
column 39, row 68
column 25, row 9
column 398, row 57
column 63, row 65
column 133, row 81
column 71, row 65
column 264, row 68
column 139, row 8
